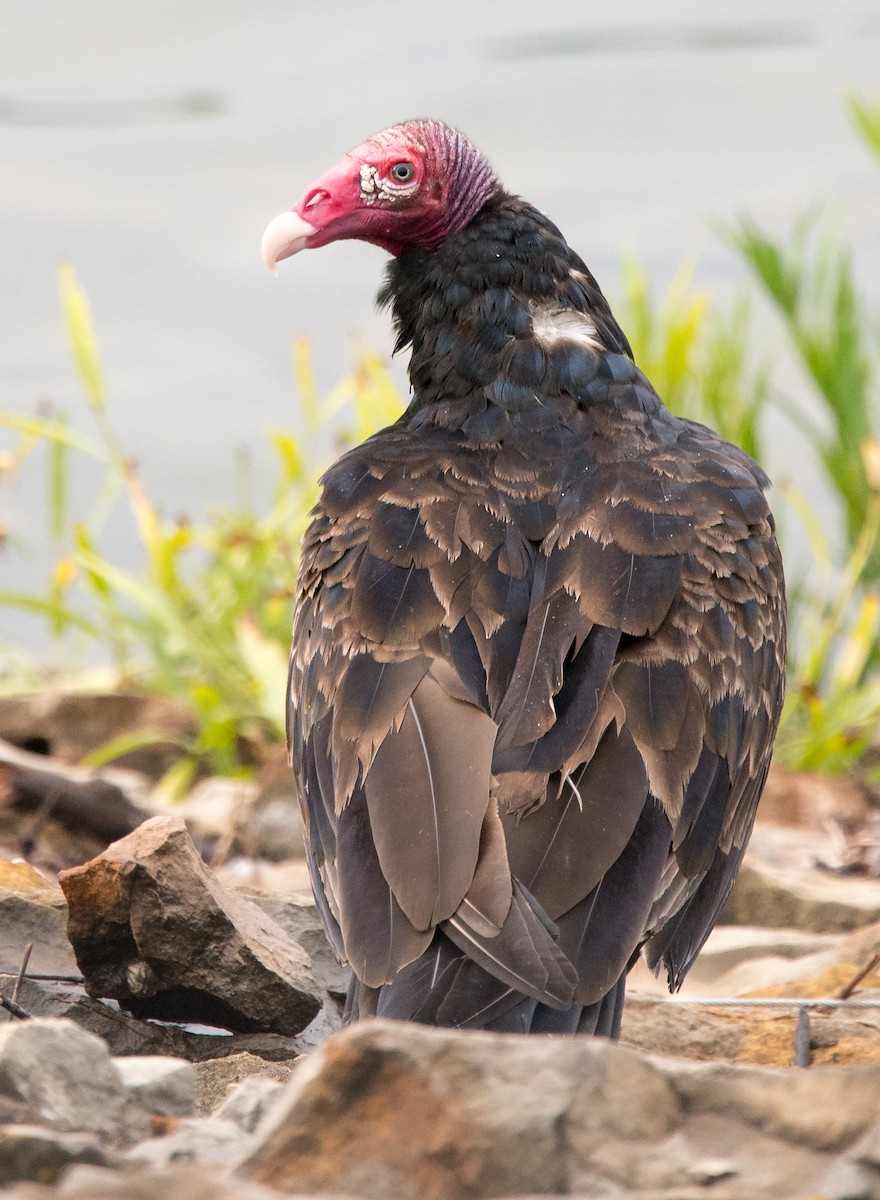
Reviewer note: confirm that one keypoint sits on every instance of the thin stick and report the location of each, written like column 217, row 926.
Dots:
column 848, row 988
column 25, row 959
column 56, row 978
column 15, row 1009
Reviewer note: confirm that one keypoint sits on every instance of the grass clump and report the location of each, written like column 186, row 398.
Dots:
column 206, row 620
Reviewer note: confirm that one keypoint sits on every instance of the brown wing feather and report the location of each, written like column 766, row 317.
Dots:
column 427, row 805
column 594, row 645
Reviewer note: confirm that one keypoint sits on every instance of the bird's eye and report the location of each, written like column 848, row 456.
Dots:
column 403, row 172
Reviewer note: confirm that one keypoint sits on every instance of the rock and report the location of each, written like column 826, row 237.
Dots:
column 299, row 919
column 32, row 909
column 660, row 1026
column 276, row 829
column 204, row 1140
column 249, row 1101
column 258, row 819
column 277, row 823
column 327, row 1022
column 823, row 803
column 189, row 1182
column 766, row 1036
column 289, row 878
column 744, row 949
column 404, row 1111
column 160, row 1084
column 832, row 965
column 867, row 1152
column 779, row 885
column 127, row 1035
column 844, row 811
column 154, row 929
column 61, row 815
column 848, row 1181
column 34, row 1152
column 824, row 1108
column 67, row 1075
column 217, row 808
column 216, row 1077
column 70, row 724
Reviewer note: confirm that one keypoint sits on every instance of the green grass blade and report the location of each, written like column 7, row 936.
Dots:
column 54, row 611
column 865, row 116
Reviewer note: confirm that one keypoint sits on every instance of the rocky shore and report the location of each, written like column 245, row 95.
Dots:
column 174, row 1027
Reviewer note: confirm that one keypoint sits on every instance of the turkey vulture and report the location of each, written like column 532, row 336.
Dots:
column 538, row 647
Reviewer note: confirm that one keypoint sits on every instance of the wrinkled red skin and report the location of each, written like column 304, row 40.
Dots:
column 418, row 215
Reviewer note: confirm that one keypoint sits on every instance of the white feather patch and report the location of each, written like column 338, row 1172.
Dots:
column 552, row 325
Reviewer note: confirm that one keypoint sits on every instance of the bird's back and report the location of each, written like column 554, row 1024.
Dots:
column 536, row 672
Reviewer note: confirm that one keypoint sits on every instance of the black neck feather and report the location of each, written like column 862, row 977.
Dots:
column 469, row 312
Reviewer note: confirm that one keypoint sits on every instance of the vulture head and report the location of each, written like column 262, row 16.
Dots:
column 406, row 188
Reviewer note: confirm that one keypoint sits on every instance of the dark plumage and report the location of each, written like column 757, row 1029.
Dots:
column 538, row 650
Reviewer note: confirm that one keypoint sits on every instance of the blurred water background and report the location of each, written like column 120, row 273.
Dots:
column 148, row 142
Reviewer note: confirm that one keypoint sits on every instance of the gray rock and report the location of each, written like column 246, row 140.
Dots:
column 730, row 947
column 67, row 1075
column 127, row 1035
column 276, row 829
column 155, row 930
column 826, row 1108
column 183, row 1180
column 160, row 1084
column 34, row 1152
column 848, row 1180
column 299, row 919
column 780, row 885
column 32, row 909
column 202, row 1139
column 249, row 1101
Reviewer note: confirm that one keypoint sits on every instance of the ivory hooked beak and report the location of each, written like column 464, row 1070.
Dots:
column 285, row 236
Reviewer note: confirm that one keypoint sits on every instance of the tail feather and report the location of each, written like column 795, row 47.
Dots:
column 448, row 988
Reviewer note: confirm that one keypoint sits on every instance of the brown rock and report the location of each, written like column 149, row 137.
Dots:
column 299, row 919
column 401, row 1111
column 154, row 929
column 216, row 1076
column 70, row 724
column 830, row 805
column 763, row 1036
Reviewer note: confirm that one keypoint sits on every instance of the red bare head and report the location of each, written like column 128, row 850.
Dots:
column 406, row 188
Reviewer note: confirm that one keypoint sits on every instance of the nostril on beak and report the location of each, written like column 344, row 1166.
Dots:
column 316, row 197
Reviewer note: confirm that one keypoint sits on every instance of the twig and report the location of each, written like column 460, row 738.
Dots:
column 44, row 812
column 848, row 988
column 25, row 959
column 15, row 1009
column 56, row 978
